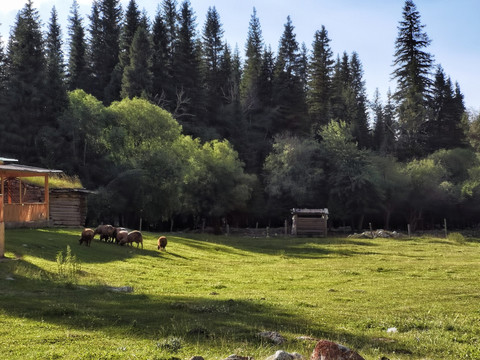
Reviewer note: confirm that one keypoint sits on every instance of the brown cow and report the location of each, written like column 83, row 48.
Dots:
column 105, row 232
column 87, row 236
column 133, row 236
column 162, row 242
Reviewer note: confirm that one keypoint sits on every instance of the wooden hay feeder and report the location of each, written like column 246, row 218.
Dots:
column 309, row 222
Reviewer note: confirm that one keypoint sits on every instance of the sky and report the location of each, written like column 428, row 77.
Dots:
column 367, row 27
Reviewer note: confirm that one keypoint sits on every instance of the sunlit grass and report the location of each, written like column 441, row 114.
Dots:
column 61, row 181
column 211, row 296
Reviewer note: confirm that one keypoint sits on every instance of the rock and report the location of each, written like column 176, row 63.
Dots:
column 328, row 350
column 197, row 358
column 238, row 357
column 392, row 330
column 273, row 336
column 283, row 355
column 124, row 289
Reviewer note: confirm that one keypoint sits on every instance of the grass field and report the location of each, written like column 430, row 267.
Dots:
column 211, row 295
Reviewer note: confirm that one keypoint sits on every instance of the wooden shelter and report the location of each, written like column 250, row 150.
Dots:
column 309, row 222
column 18, row 205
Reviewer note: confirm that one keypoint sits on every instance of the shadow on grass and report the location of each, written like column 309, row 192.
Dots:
column 305, row 248
column 117, row 314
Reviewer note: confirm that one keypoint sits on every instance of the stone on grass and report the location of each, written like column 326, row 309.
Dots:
column 328, row 350
column 283, row 355
column 238, row 357
column 273, row 336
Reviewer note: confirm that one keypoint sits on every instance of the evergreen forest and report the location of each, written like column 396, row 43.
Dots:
column 167, row 123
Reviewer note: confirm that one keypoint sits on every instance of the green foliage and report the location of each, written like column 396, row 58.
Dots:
column 215, row 183
column 294, row 172
column 67, row 266
column 353, row 180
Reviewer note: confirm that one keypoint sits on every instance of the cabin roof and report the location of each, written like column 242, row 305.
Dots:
column 310, row 211
column 24, row 170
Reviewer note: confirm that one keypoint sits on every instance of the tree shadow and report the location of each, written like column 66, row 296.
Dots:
column 115, row 313
column 305, row 248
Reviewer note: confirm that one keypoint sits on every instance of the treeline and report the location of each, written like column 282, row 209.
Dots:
column 170, row 123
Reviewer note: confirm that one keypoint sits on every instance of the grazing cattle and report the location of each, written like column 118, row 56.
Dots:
column 115, row 233
column 87, row 236
column 133, row 236
column 106, row 232
column 162, row 242
column 121, row 236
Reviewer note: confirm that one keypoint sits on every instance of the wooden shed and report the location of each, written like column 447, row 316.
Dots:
column 309, row 222
column 68, row 207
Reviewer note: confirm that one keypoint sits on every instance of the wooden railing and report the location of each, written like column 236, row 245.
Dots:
column 25, row 212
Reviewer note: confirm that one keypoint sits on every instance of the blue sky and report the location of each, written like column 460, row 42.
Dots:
column 368, row 27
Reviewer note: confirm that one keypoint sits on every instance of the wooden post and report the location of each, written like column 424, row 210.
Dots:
column 286, row 227
column 256, row 229
column 47, row 199
column 408, row 228
column 371, row 229
column 2, row 229
column 268, row 231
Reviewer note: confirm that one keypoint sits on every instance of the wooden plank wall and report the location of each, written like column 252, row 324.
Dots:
column 25, row 212
column 311, row 226
column 68, row 209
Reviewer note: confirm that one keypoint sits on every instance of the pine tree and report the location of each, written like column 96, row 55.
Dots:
column 249, row 86
column 105, row 21
column 288, row 86
column 77, row 70
column 55, row 67
column 187, row 72
column 111, row 27
column 95, row 53
column 27, row 92
column 412, row 72
column 319, row 80
column 137, row 76
column 213, row 53
column 130, row 25
column 444, row 128
column 162, row 86
column 360, row 129
column 265, row 80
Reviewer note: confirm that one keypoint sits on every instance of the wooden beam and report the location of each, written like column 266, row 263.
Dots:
column 47, row 198
column 2, row 228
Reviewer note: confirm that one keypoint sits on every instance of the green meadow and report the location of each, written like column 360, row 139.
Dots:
column 210, row 295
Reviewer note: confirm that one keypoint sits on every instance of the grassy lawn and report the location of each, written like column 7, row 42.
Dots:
column 211, row 295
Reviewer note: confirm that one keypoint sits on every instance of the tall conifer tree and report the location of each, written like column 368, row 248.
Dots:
column 77, row 69
column 319, row 80
column 55, row 67
column 137, row 76
column 187, row 71
column 288, row 86
column 213, row 53
column 412, row 72
column 27, row 92
column 249, row 86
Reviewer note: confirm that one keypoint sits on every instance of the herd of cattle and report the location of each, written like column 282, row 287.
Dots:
column 118, row 235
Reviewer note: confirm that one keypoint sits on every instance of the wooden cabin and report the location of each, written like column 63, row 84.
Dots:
column 309, row 222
